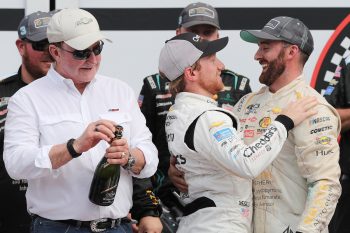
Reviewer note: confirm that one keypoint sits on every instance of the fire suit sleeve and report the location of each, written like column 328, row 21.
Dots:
column 145, row 203
column 217, row 140
column 147, row 105
column 317, row 154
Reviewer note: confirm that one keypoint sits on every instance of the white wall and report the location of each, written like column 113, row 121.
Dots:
column 134, row 54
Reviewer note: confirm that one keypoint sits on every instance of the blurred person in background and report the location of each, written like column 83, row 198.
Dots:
column 32, row 45
column 338, row 95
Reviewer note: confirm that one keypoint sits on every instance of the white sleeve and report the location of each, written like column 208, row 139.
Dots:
column 141, row 138
column 217, row 139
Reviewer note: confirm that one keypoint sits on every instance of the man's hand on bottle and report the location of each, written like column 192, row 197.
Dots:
column 93, row 134
column 118, row 152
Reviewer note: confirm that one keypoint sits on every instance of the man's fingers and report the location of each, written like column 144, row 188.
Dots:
column 311, row 104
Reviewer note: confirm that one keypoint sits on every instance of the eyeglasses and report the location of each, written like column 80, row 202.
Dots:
column 39, row 45
column 86, row 53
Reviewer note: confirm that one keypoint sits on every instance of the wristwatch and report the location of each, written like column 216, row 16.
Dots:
column 131, row 162
column 71, row 149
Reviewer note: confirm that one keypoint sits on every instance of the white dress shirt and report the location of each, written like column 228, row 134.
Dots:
column 50, row 111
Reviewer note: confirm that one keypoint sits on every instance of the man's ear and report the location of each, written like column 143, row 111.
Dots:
column 20, row 46
column 53, row 50
column 293, row 50
column 190, row 74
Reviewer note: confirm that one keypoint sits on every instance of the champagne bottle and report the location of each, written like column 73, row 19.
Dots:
column 106, row 178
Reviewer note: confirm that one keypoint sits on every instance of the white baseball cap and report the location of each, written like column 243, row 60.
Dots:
column 76, row 27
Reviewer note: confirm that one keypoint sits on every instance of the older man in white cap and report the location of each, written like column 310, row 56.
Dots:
column 60, row 126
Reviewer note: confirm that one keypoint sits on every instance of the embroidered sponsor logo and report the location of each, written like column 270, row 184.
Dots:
column 299, row 95
column 260, row 131
column 243, row 84
column 324, row 140
column 227, row 88
column 319, row 120
column 4, row 101
column 180, row 159
column 84, row 20
column 254, row 148
column 151, row 82
column 252, row 108
column 216, row 124
column 276, row 110
column 201, row 11
column 265, row 122
column 169, row 119
column 223, row 134
column 318, row 130
column 273, row 23
column 164, row 104
column 323, row 152
column 244, row 203
column 250, row 119
column 41, row 22
column 170, row 137
column 240, row 104
column 163, row 96
column 248, row 133
column 245, row 212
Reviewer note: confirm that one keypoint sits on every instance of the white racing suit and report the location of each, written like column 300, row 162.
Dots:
column 217, row 164
column 298, row 192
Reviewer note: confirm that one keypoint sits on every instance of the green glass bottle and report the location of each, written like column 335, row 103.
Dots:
column 106, row 178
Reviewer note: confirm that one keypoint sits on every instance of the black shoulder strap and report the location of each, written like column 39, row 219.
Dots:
column 190, row 131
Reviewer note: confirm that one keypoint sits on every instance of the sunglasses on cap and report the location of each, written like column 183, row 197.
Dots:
column 86, row 53
column 39, row 45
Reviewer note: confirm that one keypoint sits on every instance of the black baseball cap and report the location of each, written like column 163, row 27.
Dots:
column 283, row 28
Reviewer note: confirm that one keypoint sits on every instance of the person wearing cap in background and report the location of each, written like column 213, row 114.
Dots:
column 203, row 138
column 298, row 192
column 338, row 95
column 155, row 98
column 32, row 45
column 57, row 128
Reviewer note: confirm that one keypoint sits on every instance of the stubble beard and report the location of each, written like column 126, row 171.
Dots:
column 35, row 70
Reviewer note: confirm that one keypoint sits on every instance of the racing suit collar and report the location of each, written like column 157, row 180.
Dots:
column 194, row 98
